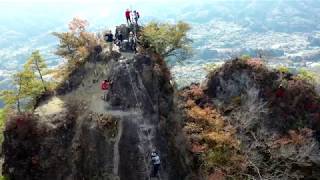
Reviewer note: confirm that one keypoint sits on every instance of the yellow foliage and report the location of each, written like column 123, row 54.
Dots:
column 307, row 76
column 221, row 138
column 245, row 57
column 207, row 117
column 82, row 53
column 223, row 158
column 76, row 45
column 210, row 67
column 166, row 39
column 193, row 128
column 283, row 69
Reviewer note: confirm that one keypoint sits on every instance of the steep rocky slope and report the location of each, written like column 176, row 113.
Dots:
column 77, row 135
column 249, row 122
column 244, row 122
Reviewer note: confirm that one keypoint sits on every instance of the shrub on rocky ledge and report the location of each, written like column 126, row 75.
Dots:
column 209, row 135
column 292, row 100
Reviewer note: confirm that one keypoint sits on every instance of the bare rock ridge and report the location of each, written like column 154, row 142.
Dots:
column 77, row 135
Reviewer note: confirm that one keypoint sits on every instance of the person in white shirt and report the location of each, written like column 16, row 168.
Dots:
column 155, row 159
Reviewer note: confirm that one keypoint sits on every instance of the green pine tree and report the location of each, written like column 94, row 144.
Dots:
column 37, row 63
column 28, row 86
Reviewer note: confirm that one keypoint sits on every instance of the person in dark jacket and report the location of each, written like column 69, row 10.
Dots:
column 109, row 39
column 119, row 38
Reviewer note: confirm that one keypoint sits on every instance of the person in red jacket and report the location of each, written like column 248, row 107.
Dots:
column 105, row 86
column 127, row 14
column 280, row 92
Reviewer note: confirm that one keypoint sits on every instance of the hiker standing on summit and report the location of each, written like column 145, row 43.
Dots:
column 136, row 16
column 127, row 14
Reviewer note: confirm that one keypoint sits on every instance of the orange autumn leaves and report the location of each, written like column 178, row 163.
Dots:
column 209, row 134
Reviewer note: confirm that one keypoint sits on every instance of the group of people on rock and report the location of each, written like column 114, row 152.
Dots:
column 132, row 16
column 117, row 39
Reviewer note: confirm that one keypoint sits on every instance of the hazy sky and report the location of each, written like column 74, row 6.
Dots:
column 89, row 1
column 19, row 14
column 85, row 7
column 13, row 13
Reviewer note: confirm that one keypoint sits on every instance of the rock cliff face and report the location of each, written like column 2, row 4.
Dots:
column 245, row 121
column 77, row 135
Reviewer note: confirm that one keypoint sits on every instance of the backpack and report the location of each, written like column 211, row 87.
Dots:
column 138, row 15
column 106, row 37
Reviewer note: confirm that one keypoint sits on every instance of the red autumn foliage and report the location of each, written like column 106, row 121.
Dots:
column 21, row 122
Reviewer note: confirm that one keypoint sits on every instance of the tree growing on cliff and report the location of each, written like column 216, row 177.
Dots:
column 167, row 39
column 76, row 44
column 22, row 81
column 28, row 86
column 37, row 64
